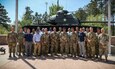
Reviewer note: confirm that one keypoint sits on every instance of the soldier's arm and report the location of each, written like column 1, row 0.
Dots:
column 94, row 37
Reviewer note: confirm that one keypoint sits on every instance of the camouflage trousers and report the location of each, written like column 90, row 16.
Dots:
column 54, row 48
column 12, row 47
column 103, row 50
column 20, row 48
column 37, row 48
column 45, row 49
column 73, row 49
column 64, row 48
column 90, row 49
column 97, row 49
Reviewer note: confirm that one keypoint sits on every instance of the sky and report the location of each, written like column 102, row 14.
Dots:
column 40, row 6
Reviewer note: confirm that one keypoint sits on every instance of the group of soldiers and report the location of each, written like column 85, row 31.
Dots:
column 64, row 42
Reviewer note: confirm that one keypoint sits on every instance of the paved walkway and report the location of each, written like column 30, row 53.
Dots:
column 53, row 63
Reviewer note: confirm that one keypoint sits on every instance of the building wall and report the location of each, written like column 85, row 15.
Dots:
column 3, row 40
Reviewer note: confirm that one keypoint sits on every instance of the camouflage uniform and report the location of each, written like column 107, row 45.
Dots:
column 45, row 43
column 97, row 46
column 86, row 47
column 103, row 42
column 91, row 45
column 20, row 43
column 12, row 41
column 73, row 44
column 59, row 33
column 64, row 48
column 54, row 42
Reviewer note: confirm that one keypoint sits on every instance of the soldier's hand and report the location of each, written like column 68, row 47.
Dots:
column 89, row 40
column 17, row 43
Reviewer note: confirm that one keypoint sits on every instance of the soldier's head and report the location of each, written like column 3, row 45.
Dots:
column 42, row 29
column 60, row 29
column 54, row 29
column 50, row 29
column 69, row 29
column 12, row 29
column 91, row 29
column 77, row 29
column 25, row 29
column 72, row 29
column 28, row 30
column 103, row 30
column 81, row 29
column 21, row 30
column 64, row 29
column 98, row 30
column 46, row 30
column 33, row 30
column 87, row 29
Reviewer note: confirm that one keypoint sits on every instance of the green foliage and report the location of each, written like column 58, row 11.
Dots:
column 3, row 16
column 3, row 30
column 92, row 8
column 37, row 18
column 27, row 17
column 54, row 8
column 80, row 14
column 95, row 18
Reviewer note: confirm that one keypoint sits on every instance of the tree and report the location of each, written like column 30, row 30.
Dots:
column 80, row 14
column 54, row 8
column 92, row 8
column 27, row 17
column 37, row 18
column 4, row 17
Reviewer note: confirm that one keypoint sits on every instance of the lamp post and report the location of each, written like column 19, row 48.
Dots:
column 109, row 26
column 16, row 17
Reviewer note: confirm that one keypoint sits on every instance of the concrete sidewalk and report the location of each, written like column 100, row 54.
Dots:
column 53, row 63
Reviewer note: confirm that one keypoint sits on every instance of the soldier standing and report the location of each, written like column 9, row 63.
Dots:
column 45, row 42
column 12, row 41
column 103, row 44
column 59, row 32
column 36, row 41
column 64, row 48
column 86, row 33
column 73, row 43
column 77, row 31
column 20, row 41
column 91, row 39
column 54, row 42
column 97, row 43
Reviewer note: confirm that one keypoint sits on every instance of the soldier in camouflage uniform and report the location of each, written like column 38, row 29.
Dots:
column 103, row 44
column 86, row 33
column 73, row 43
column 20, row 41
column 59, row 32
column 54, row 42
column 91, row 39
column 64, row 48
column 97, row 43
column 45, row 38
column 12, row 41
